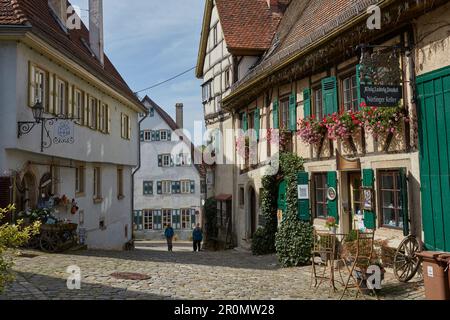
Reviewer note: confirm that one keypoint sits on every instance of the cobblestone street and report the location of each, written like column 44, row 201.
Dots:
column 179, row 275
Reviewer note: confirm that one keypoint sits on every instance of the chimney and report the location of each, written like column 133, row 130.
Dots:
column 179, row 115
column 96, row 40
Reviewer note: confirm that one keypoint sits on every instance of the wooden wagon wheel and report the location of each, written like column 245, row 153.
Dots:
column 406, row 261
column 49, row 242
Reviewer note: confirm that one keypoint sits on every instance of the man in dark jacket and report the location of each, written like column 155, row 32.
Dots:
column 197, row 237
column 169, row 233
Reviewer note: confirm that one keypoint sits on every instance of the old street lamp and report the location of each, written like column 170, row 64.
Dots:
column 38, row 111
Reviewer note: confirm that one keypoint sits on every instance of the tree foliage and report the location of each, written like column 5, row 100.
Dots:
column 12, row 236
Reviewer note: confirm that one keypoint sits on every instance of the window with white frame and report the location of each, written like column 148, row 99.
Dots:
column 227, row 78
column 207, row 91
column 79, row 180
column 78, row 106
column 166, row 187
column 40, row 89
column 164, row 136
column 92, row 113
column 125, row 125
column 147, row 135
column 148, row 220
column 185, row 186
column 350, row 90
column 166, row 217
column 101, row 118
column 166, row 160
column 185, row 218
column 215, row 35
column 61, row 99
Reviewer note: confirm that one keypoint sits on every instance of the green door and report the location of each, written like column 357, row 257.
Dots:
column 282, row 196
column 434, row 138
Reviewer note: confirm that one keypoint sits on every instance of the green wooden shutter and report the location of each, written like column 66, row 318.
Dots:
column 145, row 188
column 192, row 186
column 159, row 187
column 275, row 115
column 142, row 136
column 169, row 135
column 307, row 103
column 329, row 92
column 176, row 219
column 178, row 186
column 368, row 182
column 332, row 206
column 174, row 187
column 153, row 134
column 157, row 136
column 244, row 121
column 304, row 212
column 293, row 112
column 159, row 160
column 281, row 203
column 404, row 200
column 257, row 122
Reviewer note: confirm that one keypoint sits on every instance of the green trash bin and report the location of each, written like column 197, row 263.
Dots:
column 435, row 276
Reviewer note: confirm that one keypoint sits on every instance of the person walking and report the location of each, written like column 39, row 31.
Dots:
column 197, row 236
column 169, row 233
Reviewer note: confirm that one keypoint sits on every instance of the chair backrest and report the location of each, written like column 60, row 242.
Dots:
column 324, row 242
column 365, row 245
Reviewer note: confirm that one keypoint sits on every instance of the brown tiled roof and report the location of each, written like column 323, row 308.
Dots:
column 303, row 23
column 38, row 14
column 248, row 24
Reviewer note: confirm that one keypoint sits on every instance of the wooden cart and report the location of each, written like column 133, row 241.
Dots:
column 57, row 237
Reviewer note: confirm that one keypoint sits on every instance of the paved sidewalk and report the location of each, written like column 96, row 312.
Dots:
column 182, row 274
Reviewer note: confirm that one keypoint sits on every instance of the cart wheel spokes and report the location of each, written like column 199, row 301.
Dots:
column 406, row 261
column 49, row 243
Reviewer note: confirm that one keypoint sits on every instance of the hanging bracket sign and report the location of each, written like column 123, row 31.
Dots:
column 381, row 95
column 63, row 132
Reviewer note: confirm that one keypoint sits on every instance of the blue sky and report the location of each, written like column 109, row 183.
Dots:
column 150, row 41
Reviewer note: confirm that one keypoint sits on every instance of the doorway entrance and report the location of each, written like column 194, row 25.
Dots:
column 253, row 217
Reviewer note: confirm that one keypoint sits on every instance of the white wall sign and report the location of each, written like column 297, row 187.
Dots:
column 303, row 192
column 63, row 132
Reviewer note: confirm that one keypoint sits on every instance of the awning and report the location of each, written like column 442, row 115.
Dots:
column 224, row 197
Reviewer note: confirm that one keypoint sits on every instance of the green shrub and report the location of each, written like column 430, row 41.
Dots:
column 294, row 239
column 12, row 236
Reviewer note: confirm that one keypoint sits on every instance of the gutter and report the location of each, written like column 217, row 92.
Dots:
column 135, row 171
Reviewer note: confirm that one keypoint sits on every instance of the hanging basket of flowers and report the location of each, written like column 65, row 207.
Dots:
column 312, row 131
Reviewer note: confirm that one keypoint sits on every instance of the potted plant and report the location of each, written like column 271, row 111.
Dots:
column 331, row 224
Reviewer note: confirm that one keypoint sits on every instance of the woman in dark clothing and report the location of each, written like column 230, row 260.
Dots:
column 197, row 236
column 169, row 233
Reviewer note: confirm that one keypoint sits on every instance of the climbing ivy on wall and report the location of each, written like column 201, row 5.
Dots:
column 294, row 239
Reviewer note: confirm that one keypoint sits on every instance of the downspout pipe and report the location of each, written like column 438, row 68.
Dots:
column 135, row 171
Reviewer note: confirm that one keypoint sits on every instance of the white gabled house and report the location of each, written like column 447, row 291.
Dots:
column 42, row 61
column 168, row 187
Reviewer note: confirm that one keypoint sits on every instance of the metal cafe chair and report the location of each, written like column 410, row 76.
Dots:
column 357, row 258
column 322, row 258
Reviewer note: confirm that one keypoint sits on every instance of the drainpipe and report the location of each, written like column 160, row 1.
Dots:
column 135, row 171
